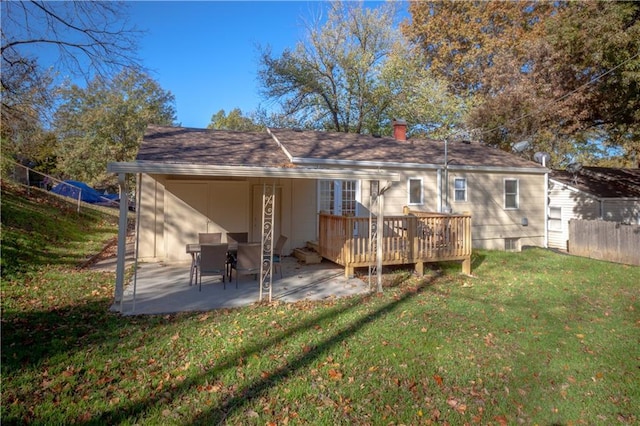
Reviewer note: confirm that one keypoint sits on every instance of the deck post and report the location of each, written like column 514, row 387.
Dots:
column 419, row 268
column 466, row 266
column 412, row 237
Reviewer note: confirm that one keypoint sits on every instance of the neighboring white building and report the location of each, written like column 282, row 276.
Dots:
column 591, row 193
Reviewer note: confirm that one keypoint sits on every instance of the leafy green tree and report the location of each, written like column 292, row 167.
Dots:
column 81, row 39
column 26, row 95
column 235, row 120
column 356, row 73
column 105, row 122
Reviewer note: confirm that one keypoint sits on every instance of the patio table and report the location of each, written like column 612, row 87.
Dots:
column 194, row 250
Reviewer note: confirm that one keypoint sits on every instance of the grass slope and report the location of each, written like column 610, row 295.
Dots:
column 535, row 338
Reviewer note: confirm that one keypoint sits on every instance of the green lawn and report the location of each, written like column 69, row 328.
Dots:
column 534, row 338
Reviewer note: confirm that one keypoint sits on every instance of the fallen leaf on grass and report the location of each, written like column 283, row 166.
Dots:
column 438, row 379
column 335, row 374
column 502, row 420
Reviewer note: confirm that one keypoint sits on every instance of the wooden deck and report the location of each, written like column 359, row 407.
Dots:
column 415, row 238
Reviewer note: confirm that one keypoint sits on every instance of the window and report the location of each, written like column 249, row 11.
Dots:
column 511, row 244
column 338, row 197
column 348, row 193
column 415, row 191
column 555, row 218
column 511, row 193
column 460, row 187
column 326, row 196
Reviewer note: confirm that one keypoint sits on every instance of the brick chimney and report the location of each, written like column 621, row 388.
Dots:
column 400, row 130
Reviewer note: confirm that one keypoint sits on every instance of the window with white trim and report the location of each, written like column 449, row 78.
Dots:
column 460, row 189
column 555, row 218
column 511, row 194
column 415, row 191
column 349, row 194
column 338, row 197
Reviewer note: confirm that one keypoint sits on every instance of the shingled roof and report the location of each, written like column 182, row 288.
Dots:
column 205, row 146
column 367, row 148
column 602, row 182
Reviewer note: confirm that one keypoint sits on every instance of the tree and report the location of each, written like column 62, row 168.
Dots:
column 332, row 80
column 416, row 95
column 84, row 39
column 594, row 66
column 105, row 122
column 464, row 42
column 356, row 73
column 233, row 121
column 89, row 38
column 563, row 75
column 26, row 94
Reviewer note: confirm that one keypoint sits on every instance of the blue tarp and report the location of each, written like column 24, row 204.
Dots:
column 72, row 188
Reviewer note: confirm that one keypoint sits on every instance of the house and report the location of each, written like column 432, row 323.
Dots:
column 609, row 194
column 200, row 180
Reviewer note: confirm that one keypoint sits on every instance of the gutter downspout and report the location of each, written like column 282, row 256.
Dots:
column 546, row 209
column 446, row 209
column 439, row 186
column 122, row 239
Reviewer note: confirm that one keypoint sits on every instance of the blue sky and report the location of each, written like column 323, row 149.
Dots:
column 204, row 52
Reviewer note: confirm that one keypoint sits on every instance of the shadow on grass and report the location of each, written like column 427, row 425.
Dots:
column 477, row 259
column 30, row 339
column 243, row 396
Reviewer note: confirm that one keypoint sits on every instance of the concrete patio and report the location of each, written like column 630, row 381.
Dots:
column 163, row 288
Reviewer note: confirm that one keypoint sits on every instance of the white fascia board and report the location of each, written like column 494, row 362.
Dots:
column 246, row 171
column 414, row 166
column 498, row 169
column 573, row 188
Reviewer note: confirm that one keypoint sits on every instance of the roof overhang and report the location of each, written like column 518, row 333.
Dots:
column 415, row 166
column 249, row 171
column 572, row 188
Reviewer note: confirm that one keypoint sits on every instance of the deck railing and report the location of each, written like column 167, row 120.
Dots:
column 415, row 238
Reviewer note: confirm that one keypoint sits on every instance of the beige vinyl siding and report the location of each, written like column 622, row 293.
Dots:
column 174, row 211
column 491, row 222
column 151, row 216
column 397, row 196
column 304, row 212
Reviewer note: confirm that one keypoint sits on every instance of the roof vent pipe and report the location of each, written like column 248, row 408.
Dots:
column 399, row 130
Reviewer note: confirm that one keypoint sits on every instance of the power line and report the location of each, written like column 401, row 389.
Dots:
column 563, row 97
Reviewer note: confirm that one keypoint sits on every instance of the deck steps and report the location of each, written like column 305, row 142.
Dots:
column 308, row 254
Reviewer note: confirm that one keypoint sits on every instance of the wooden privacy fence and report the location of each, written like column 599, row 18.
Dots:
column 408, row 239
column 599, row 239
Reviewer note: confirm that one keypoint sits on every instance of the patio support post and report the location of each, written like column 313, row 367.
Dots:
column 122, row 238
column 373, row 232
column 379, row 235
column 268, row 205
